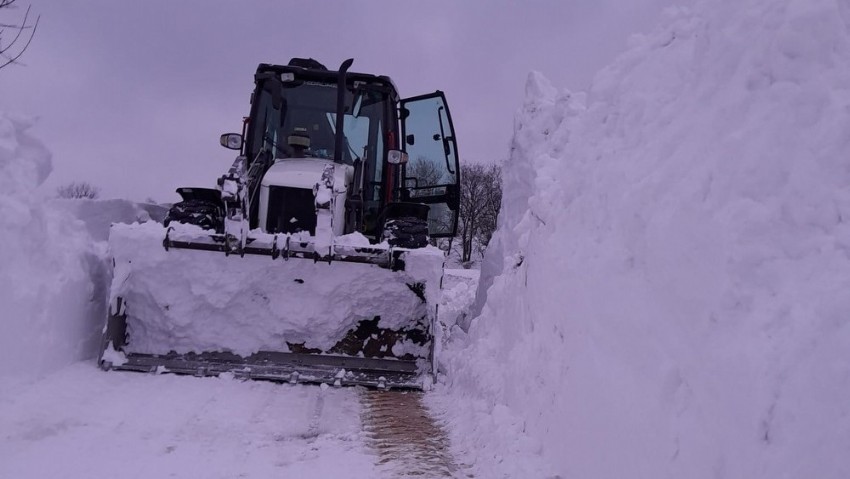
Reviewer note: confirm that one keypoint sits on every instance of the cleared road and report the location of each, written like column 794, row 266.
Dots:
column 82, row 422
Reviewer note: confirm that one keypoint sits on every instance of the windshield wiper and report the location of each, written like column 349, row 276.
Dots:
column 274, row 145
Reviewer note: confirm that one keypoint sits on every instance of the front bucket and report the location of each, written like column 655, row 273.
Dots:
column 204, row 312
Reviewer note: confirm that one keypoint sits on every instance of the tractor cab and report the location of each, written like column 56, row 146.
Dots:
column 392, row 157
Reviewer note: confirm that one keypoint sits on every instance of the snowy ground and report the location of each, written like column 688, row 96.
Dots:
column 81, row 422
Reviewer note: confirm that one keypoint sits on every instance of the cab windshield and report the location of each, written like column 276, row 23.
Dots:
column 309, row 109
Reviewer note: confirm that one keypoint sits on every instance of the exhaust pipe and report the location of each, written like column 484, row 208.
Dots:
column 340, row 110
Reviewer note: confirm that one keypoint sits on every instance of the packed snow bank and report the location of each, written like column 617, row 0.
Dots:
column 490, row 439
column 195, row 301
column 52, row 282
column 667, row 295
column 459, row 286
column 98, row 215
column 53, row 273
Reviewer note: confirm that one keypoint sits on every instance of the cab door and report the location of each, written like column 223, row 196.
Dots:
column 432, row 174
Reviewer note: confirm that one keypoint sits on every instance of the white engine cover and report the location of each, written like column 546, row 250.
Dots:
column 305, row 173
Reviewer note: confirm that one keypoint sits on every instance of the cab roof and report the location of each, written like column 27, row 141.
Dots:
column 309, row 69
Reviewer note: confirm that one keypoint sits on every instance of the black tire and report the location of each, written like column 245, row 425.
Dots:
column 406, row 232
column 205, row 214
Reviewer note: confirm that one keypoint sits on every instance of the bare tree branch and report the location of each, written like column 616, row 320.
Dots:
column 20, row 30
column 426, row 172
column 480, row 201
column 24, row 25
column 79, row 189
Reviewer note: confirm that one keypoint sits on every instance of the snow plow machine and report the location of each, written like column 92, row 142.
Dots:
column 311, row 260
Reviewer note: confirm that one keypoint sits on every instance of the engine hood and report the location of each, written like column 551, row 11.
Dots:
column 305, row 173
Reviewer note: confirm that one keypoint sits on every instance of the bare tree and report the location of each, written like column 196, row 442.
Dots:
column 480, row 201
column 426, row 172
column 492, row 205
column 21, row 34
column 78, row 189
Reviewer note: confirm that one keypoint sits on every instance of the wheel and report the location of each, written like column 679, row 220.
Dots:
column 406, row 232
column 201, row 213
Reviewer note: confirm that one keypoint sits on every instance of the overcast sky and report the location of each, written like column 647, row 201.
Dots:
column 132, row 96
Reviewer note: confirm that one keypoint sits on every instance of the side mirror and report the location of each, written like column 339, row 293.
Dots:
column 396, row 157
column 231, row 141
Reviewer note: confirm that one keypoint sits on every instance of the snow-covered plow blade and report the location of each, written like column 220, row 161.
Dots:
column 285, row 367
column 348, row 313
column 285, row 247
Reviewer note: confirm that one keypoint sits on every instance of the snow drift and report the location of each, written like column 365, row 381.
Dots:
column 48, row 269
column 53, row 276
column 98, row 215
column 667, row 295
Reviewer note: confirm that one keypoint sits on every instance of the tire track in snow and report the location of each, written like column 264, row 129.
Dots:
column 408, row 442
column 316, row 420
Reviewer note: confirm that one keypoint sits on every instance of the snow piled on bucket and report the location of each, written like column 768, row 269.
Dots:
column 669, row 291
column 195, row 301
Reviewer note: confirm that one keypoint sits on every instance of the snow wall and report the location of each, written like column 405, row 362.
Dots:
column 668, row 294
column 53, row 276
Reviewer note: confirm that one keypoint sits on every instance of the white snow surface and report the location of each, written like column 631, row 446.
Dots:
column 98, row 215
column 82, row 422
column 194, row 301
column 668, row 294
column 53, row 273
column 50, row 274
